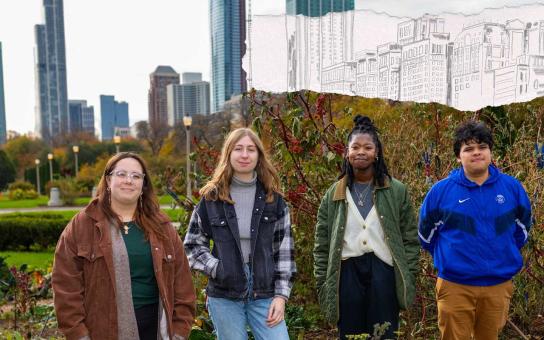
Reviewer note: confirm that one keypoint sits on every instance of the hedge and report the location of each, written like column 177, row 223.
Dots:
column 20, row 231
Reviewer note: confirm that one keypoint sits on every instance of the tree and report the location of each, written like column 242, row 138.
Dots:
column 23, row 151
column 77, row 137
column 89, row 152
column 7, row 170
column 154, row 134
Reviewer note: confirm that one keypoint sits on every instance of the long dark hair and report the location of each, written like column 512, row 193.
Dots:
column 146, row 215
column 363, row 125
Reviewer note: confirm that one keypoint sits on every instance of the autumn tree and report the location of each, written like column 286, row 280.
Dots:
column 154, row 134
column 24, row 150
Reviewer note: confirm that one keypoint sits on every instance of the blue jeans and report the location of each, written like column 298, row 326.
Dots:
column 230, row 317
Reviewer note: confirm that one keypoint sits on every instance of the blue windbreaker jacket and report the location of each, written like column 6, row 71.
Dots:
column 475, row 233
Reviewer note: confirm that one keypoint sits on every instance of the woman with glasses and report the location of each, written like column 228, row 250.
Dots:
column 120, row 270
column 251, row 265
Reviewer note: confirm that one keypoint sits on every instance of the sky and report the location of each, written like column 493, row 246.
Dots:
column 113, row 45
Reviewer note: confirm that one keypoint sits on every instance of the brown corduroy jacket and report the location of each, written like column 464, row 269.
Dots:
column 83, row 278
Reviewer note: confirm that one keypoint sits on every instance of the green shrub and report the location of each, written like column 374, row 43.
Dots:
column 69, row 190
column 19, row 194
column 85, row 185
column 25, row 231
column 306, row 132
column 23, row 185
column 21, row 190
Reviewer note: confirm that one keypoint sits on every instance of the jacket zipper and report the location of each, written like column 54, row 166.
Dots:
column 390, row 250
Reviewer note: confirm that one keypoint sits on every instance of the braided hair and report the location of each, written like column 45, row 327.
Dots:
column 363, row 125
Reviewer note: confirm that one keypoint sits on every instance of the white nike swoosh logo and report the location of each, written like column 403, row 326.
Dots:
column 466, row 199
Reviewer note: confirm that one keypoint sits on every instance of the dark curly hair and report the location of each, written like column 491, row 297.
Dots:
column 364, row 125
column 471, row 131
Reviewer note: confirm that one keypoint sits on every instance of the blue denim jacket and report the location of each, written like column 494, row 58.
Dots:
column 272, row 248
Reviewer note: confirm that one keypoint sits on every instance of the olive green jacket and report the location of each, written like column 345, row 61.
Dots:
column 398, row 221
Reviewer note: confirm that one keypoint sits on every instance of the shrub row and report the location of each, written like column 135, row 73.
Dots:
column 19, row 231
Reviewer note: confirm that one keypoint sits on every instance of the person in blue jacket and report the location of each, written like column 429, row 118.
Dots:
column 474, row 223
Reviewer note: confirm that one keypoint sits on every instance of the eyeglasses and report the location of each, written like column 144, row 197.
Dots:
column 122, row 174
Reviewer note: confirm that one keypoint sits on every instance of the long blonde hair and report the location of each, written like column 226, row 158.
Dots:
column 218, row 186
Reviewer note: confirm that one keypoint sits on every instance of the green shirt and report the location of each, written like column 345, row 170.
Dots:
column 142, row 274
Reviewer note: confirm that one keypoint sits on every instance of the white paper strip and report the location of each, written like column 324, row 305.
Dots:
column 493, row 58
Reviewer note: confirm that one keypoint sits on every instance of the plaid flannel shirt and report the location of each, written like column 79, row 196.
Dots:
column 197, row 247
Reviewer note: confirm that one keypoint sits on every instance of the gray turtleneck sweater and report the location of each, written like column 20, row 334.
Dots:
column 243, row 195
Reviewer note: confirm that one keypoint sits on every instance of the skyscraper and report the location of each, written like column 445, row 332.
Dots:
column 228, row 35
column 190, row 98
column 52, row 116
column 159, row 79
column 81, row 116
column 74, row 111
column 317, row 8
column 2, row 103
column 113, row 114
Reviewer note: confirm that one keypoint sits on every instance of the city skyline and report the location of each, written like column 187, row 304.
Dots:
column 112, row 55
column 115, row 56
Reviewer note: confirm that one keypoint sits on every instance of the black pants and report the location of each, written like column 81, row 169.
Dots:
column 367, row 297
column 147, row 318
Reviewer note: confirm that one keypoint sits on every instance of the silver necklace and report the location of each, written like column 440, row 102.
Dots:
column 361, row 196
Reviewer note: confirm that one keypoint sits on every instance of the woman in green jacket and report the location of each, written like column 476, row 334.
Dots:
column 366, row 247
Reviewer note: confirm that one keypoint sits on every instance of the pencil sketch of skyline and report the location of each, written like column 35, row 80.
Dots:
column 492, row 58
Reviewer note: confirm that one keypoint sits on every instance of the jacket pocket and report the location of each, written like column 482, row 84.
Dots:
column 265, row 250
column 267, row 228
column 225, row 249
column 168, row 260
column 94, row 264
column 220, row 230
column 89, row 253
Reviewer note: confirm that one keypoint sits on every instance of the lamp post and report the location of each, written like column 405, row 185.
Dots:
column 117, row 141
column 75, row 149
column 187, row 121
column 37, row 161
column 50, row 158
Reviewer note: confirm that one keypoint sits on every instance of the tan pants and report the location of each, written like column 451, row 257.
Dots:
column 472, row 311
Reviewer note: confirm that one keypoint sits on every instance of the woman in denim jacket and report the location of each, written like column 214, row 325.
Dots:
column 251, row 264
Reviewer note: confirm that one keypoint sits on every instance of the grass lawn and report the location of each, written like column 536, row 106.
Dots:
column 165, row 199
column 6, row 203
column 68, row 214
column 34, row 260
column 172, row 213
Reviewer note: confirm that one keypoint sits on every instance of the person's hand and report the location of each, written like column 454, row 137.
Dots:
column 276, row 312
